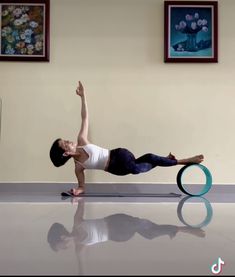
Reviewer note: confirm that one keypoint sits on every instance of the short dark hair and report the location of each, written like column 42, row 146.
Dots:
column 55, row 233
column 56, row 154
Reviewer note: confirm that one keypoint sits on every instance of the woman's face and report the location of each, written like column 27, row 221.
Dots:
column 67, row 145
column 64, row 243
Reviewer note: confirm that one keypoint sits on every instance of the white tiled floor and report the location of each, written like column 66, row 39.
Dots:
column 147, row 237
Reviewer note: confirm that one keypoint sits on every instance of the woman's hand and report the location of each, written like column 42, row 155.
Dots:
column 80, row 89
column 77, row 191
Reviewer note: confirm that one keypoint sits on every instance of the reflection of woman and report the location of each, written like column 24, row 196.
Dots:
column 116, row 227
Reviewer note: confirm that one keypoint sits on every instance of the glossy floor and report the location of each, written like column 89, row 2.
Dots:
column 183, row 236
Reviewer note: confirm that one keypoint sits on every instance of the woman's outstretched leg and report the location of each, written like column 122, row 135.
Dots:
column 150, row 161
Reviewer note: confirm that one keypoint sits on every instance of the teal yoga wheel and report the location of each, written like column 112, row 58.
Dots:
column 186, row 188
column 202, row 200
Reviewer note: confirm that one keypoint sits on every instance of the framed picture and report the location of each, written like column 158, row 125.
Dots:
column 191, row 31
column 24, row 30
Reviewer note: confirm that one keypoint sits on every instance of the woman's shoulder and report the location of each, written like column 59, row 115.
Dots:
column 82, row 142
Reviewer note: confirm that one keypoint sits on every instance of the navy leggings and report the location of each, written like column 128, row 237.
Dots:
column 123, row 162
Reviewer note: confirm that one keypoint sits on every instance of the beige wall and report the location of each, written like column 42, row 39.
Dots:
column 115, row 47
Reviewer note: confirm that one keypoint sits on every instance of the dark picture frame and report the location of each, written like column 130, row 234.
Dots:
column 25, row 30
column 191, row 31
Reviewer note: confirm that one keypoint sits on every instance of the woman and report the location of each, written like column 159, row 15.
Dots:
column 117, row 227
column 119, row 161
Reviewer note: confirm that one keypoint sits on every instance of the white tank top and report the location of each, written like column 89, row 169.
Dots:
column 98, row 157
column 96, row 229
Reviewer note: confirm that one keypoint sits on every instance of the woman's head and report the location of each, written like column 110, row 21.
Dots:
column 58, row 236
column 58, row 152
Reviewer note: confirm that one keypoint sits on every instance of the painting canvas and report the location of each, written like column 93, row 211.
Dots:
column 24, row 30
column 191, row 31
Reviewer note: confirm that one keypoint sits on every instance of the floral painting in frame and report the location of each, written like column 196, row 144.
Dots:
column 24, row 30
column 191, row 31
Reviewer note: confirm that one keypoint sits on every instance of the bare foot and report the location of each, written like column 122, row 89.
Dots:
column 170, row 156
column 193, row 231
column 193, row 160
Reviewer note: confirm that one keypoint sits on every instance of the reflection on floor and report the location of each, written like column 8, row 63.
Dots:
column 84, row 236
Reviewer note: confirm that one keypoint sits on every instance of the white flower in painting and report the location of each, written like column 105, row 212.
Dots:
column 39, row 37
column 10, row 8
column 4, row 33
column 24, row 18
column 27, row 39
column 204, row 22
column 30, row 47
column 30, row 52
column 180, row 47
column 182, row 24
column 18, row 22
column 33, row 24
column 188, row 17
column 10, row 39
column 196, row 15
column 9, row 50
column 17, row 12
column 5, row 12
column 204, row 29
column 22, row 36
column 7, row 30
column 38, row 45
column 28, row 32
column 25, row 9
column 194, row 25
column 177, row 27
column 199, row 22
column 23, row 51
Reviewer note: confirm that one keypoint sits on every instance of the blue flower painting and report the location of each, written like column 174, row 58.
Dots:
column 191, row 31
